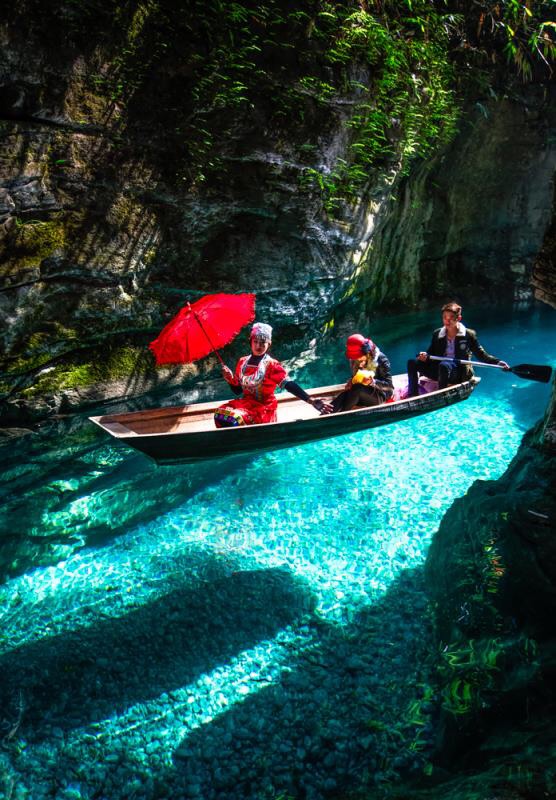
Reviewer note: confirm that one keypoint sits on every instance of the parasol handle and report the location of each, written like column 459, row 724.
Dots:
column 206, row 334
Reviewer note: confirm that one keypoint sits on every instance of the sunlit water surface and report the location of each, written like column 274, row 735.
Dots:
column 251, row 628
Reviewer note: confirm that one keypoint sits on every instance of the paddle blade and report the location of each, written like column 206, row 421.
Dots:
column 533, row 372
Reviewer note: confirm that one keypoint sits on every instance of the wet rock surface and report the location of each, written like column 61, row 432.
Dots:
column 544, row 274
column 470, row 222
column 491, row 573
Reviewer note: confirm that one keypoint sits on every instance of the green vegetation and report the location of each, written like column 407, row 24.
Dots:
column 519, row 33
column 33, row 241
column 106, row 365
column 394, row 73
column 391, row 71
column 390, row 68
column 409, row 103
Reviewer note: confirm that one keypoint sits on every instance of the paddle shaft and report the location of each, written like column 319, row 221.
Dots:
column 530, row 372
column 461, row 361
column 208, row 337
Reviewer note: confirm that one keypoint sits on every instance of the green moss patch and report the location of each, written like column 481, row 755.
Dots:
column 101, row 366
column 31, row 242
column 40, row 348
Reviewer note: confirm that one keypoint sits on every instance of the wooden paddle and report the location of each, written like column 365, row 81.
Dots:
column 531, row 372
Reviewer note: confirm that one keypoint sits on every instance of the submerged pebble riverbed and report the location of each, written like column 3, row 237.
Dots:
column 266, row 636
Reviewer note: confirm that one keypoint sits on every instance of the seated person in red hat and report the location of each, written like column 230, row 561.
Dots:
column 371, row 381
column 256, row 378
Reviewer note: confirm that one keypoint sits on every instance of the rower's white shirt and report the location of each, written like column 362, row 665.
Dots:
column 461, row 331
column 451, row 343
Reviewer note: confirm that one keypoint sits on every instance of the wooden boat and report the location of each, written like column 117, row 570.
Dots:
column 186, row 434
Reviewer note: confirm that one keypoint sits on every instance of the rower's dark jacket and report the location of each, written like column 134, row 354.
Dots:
column 466, row 343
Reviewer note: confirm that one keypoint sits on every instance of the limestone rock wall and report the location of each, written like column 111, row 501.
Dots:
column 470, row 222
column 108, row 224
column 544, row 274
column 106, row 227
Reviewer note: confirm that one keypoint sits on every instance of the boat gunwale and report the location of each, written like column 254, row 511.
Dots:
column 176, row 411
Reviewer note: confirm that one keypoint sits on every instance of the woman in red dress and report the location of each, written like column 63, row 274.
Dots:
column 256, row 378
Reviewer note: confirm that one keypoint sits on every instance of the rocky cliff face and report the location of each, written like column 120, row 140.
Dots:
column 121, row 195
column 107, row 224
column 491, row 568
column 544, row 274
column 470, row 222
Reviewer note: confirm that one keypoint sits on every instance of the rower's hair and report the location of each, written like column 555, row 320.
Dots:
column 453, row 308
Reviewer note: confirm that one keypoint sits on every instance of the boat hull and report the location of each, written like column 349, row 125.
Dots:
column 195, row 446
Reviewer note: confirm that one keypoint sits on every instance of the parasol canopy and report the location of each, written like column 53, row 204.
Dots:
column 202, row 327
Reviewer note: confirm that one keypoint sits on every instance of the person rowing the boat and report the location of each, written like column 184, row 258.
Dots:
column 256, row 378
column 452, row 341
column 371, row 376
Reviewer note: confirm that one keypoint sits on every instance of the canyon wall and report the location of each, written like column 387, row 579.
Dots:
column 110, row 219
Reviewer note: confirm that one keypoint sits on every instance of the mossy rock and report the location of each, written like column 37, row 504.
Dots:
column 99, row 367
column 31, row 242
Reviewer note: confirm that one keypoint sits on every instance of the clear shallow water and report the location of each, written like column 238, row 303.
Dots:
column 263, row 629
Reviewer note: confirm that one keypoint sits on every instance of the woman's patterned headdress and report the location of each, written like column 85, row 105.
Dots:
column 262, row 331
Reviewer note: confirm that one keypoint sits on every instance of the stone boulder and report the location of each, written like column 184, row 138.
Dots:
column 491, row 576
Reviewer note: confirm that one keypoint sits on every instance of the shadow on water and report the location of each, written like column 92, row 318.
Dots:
column 528, row 402
column 85, row 675
column 341, row 716
column 65, row 488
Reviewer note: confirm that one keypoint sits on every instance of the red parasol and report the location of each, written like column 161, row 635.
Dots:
column 202, row 327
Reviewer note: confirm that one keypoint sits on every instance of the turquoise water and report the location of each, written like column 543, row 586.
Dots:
column 254, row 628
